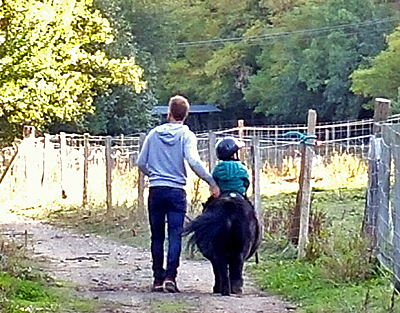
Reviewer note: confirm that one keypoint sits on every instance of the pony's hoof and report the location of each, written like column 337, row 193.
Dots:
column 237, row 290
column 225, row 292
column 217, row 289
column 237, row 286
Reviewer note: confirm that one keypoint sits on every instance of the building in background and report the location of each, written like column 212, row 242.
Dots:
column 201, row 116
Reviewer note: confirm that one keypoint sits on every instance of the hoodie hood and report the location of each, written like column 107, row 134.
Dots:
column 171, row 133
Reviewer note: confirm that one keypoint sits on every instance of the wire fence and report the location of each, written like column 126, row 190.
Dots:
column 276, row 147
column 76, row 167
column 71, row 167
column 382, row 216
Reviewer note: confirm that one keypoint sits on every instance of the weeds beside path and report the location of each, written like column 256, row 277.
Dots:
column 118, row 276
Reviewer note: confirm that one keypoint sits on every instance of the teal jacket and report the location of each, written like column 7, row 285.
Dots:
column 231, row 176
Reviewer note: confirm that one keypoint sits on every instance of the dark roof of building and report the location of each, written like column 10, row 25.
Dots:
column 195, row 108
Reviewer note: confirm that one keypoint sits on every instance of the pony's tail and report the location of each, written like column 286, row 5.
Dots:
column 208, row 227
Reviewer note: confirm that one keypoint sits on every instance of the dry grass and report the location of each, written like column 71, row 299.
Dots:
column 337, row 172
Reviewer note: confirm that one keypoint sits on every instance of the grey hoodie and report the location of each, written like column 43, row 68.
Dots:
column 163, row 153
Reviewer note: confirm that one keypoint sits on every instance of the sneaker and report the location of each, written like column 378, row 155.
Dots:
column 158, row 286
column 170, row 285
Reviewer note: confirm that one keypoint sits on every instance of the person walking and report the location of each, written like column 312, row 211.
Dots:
column 162, row 159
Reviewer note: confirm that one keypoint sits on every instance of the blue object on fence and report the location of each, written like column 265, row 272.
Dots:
column 303, row 138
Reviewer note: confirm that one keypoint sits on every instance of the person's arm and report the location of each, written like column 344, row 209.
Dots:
column 191, row 155
column 214, row 175
column 143, row 157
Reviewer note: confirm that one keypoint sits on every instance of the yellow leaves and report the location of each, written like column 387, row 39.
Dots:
column 48, row 74
column 127, row 72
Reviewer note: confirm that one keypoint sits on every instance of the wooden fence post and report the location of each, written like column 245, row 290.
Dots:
column 141, row 182
column 29, row 134
column 108, row 175
column 256, row 177
column 85, row 169
column 301, row 216
column 211, row 150
column 63, row 155
column 276, row 155
column 240, row 133
column 326, row 142
column 348, row 136
column 46, row 161
column 10, row 164
column 381, row 113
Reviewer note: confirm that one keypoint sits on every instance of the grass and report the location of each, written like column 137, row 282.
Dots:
column 34, row 294
column 337, row 275
column 304, row 284
column 170, row 306
column 18, row 295
column 24, row 289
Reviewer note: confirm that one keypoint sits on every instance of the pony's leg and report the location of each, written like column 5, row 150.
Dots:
column 222, row 269
column 235, row 274
column 217, row 283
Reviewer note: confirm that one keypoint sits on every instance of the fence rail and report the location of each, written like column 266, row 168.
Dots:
column 63, row 164
column 81, row 169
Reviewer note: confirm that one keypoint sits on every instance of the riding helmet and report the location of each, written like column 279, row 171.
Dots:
column 227, row 146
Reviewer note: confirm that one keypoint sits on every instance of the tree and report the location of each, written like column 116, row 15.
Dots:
column 216, row 71
column 311, row 68
column 382, row 79
column 51, row 62
column 143, row 29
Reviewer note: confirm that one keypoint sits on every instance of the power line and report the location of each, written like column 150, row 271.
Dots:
column 372, row 32
column 306, row 32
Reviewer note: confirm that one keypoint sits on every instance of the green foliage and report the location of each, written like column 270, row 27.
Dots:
column 34, row 294
column 19, row 295
column 312, row 71
column 215, row 73
column 51, row 64
column 23, row 289
column 346, row 259
column 337, row 274
column 304, row 284
column 382, row 79
column 142, row 30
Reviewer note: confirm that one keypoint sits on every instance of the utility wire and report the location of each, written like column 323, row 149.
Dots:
column 306, row 32
column 372, row 32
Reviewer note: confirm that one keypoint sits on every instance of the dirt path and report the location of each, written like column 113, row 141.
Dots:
column 120, row 276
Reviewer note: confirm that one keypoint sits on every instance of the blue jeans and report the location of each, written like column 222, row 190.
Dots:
column 166, row 204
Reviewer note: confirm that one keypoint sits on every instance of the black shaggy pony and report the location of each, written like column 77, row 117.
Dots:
column 227, row 233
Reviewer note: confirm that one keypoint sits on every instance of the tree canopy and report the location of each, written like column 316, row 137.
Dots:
column 52, row 64
column 310, row 68
column 382, row 79
column 100, row 65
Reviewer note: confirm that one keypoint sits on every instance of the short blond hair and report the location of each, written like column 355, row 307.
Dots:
column 178, row 107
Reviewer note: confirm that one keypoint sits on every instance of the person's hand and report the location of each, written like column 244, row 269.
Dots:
column 215, row 191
